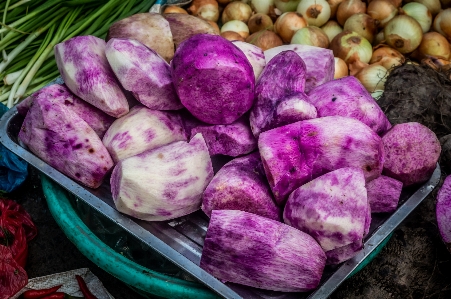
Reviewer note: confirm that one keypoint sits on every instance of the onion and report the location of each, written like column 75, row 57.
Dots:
column 331, row 29
column 231, row 36
column 433, row 6
column 236, row 11
column 403, row 33
column 362, row 24
column 420, row 13
column 174, row 9
column 341, row 69
column 225, row 2
column 333, row 7
column 205, row 9
column 312, row 36
column 215, row 26
column 315, row 12
column 348, row 8
column 386, row 57
column 236, row 26
column 352, row 48
column 442, row 23
column 287, row 24
column 265, row 40
column 262, row 6
column 259, row 22
column 373, row 77
column 286, row 5
column 382, row 10
column 434, row 44
column 379, row 38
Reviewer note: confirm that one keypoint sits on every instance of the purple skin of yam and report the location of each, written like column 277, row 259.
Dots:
column 443, row 212
column 61, row 138
column 383, row 194
column 233, row 140
column 241, row 185
column 319, row 62
column 96, row 118
column 284, row 75
column 297, row 153
column 213, row 79
column 411, row 153
column 347, row 97
column 292, row 109
column 144, row 73
column 85, row 70
column 251, row 250
column 333, row 209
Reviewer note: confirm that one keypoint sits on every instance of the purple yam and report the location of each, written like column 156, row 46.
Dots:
column 213, row 78
column 292, row 109
column 85, row 70
column 255, row 56
column 251, row 250
column 144, row 73
column 282, row 76
column 443, row 212
column 140, row 130
column 96, row 118
column 319, row 62
column 233, row 140
column 163, row 183
column 332, row 209
column 297, row 153
column 61, row 138
column 383, row 194
column 348, row 97
column 241, row 185
column 411, row 153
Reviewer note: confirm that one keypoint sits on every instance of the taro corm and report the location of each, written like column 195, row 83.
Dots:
column 213, row 79
column 443, row 211
column 383, row 194
column 248, row 249
column 255, row 56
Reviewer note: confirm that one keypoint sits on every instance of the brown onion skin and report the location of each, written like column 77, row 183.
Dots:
column 348, row 8
column 375, row 12
column 215, row 26
column 366, row 26
column 333, row 7
column 232, row 35
column 196, row 6
column 287, row 25
column 174, row 9
column 443, row 27
column 424, row 50
column 265, row 39
column 260, row 22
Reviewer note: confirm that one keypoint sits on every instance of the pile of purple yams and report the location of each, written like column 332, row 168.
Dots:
column 317, row 156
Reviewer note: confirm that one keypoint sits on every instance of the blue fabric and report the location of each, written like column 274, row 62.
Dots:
column 13, row 170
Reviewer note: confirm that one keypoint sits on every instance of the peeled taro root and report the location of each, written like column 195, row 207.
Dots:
column 95, row 118
column 233, row 140
column 140, row 130
column 348, row 97
column 332, row 209
column 443, row 212
column 163, row 183
column 85, row 70
column 150, row 29
column 251, row 250
column 282, row 76
column 319, row 62
column 241, row 185
column 411, row 153
column 255, row 56
column 61, row 138
column 144, row 73
column 297, row 153
column 213, row 78
column 383, row 194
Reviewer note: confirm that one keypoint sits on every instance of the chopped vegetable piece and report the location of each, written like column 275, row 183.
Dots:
column 383, row 194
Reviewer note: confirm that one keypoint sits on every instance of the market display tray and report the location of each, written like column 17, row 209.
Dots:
column 181, row 240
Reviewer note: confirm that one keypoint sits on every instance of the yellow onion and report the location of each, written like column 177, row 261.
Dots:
column 348, row 8
column 382, row 10
column 205, row 9
column 174, row 9
column 262, row 6
column 386, row 57
column 265, row 39
column 373, row 77
column 403, row 33
column 396, row 3
column 435, row 45
column 225, row 2
column 341, row 69
column 315, row 12
column 433, row 6
column 312, row 36
column 352, row 48
column 287, row 24
column 379, row 38
column 236, row 11
column 420, row 13
column 333, row 7
column 331, row 29
column 259, row 22
column 286, row 5
column 442, row 23
column 215, row 26
column 232, row 35
column 236, row 26
column 362, row 24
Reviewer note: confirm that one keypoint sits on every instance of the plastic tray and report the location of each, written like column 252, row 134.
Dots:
column 181, row 240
